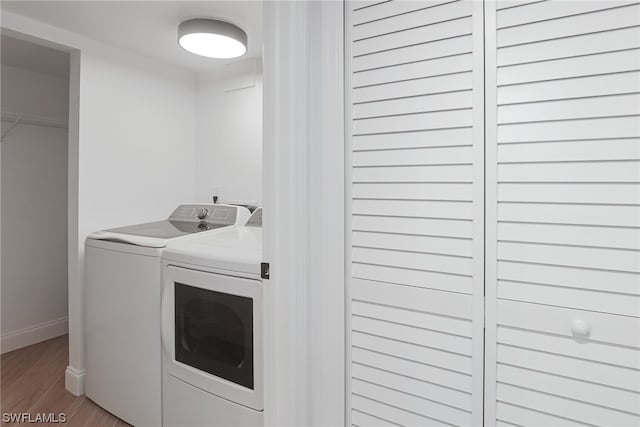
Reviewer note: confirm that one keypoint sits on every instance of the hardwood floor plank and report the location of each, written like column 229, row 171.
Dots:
column 30, row 386
column 91, row 415
column 17, row 362
column 32, row 380
column 57, row 400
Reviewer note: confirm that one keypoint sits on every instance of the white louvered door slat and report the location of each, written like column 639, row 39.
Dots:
column 415, row 101
column 563, row 213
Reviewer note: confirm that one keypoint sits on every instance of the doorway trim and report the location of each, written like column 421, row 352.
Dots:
column 36, row 32
column 304, row 213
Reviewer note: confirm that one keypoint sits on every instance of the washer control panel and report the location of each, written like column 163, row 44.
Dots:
column 219, row 214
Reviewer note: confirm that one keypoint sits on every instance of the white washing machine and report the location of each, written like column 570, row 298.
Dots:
column 212, row 336
column 122, row 308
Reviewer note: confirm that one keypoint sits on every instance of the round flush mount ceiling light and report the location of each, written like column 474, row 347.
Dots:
column 212, row 38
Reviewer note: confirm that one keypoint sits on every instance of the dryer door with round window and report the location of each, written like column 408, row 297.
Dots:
column 212, row 333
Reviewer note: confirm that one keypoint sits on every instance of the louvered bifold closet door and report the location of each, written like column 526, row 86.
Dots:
column 414, row 89
column 563, row 213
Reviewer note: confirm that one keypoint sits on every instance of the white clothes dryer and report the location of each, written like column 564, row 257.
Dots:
column 212, row 329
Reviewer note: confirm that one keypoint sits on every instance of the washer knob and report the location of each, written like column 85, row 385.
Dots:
column 202, row 213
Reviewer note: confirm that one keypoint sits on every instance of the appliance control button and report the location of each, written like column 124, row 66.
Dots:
column 202, row 213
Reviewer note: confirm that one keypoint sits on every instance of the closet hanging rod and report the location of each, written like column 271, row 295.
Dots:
column 33, row 120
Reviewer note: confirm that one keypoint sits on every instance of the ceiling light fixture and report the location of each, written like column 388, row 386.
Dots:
column 212, row 38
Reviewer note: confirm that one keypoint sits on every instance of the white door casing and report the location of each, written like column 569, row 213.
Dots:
column 304, row 213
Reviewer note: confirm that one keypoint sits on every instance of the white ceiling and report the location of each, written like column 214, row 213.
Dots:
column 30, row 56
column 147, row 27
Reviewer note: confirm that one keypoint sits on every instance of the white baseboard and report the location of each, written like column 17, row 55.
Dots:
column 74, row 380
column 34, row 334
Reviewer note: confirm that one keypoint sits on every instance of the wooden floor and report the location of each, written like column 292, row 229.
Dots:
column 32, row 380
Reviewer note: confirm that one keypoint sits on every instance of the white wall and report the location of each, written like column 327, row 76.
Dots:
column 34, row 210
column 229, row 108
column 136, row 158
column 137, row 142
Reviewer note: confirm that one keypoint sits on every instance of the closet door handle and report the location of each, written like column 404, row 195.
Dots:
column 580, row 328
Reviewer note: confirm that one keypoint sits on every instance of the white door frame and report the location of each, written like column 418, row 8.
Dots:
column 327, row 220
column 42, row 34
column 304, row 213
